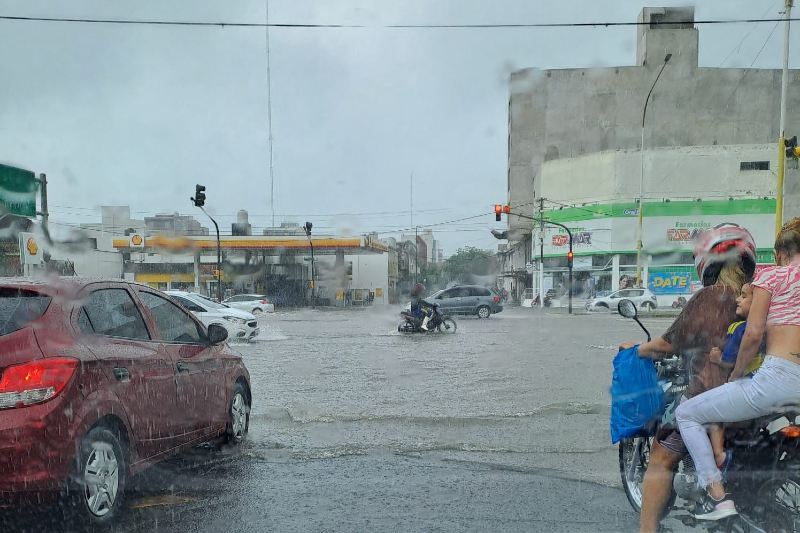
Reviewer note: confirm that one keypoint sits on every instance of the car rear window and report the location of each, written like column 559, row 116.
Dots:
column 18, row 307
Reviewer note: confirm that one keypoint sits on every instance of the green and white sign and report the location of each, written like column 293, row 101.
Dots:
column 18, row 189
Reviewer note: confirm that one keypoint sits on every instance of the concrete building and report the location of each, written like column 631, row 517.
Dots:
column 575, row 138
column 174, row 224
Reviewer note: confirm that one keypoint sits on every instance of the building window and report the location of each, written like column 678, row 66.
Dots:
column 754, row 165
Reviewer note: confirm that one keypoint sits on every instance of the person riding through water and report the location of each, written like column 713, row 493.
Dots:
column 419, row 307
column 775, row 310
column 702, row 324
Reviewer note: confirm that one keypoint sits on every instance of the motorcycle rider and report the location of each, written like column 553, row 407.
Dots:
column 725, row 260
column 775, row 310
column 419, row 307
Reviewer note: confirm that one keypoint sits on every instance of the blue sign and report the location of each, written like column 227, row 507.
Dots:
column 665, row 282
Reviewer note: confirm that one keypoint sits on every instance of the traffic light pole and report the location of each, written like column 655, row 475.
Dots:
column 569, row 262
column 219, row 256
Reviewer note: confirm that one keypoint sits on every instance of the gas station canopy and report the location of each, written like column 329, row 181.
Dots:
column 271, row 245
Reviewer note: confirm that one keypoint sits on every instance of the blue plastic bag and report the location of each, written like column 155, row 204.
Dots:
column 636, row 397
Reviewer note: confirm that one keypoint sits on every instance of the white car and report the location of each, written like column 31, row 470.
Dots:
column 643, row 298
column 253, row 303
column 240, row 324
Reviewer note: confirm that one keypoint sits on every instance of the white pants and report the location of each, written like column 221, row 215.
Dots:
column 775, row 387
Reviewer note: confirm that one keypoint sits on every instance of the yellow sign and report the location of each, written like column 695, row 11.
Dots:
column 137, row 240
column 340, row 295
column 379, row 292
column 31, row 246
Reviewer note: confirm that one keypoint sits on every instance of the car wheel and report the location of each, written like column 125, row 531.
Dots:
column 484, row 312
column 238, row 415
column 257, row 311
column 648, row 306
column 95, row 490
column 602, row 306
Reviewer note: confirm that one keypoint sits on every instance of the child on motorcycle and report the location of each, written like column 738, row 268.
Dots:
column 726, row 360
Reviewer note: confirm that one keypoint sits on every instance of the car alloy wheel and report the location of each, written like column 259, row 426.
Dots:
column 101, row 478
column 95, row 490
column 484, row 312
column 238, row 415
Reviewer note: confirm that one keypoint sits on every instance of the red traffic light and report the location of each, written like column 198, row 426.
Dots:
column 570, row 256
column 506, row 209
column 498, row 209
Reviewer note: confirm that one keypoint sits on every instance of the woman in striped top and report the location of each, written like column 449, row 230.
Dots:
column 775, row 311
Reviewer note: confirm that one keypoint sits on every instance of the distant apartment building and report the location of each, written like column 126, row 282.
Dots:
column 174, row 224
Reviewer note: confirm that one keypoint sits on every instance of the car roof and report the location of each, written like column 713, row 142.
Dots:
column 59, row 284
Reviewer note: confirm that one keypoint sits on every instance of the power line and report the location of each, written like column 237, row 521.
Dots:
column 745, row 36
column 222, row 24
column 747, row 70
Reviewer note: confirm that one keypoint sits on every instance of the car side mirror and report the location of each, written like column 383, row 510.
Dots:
column 627, row 308
column 217, row 334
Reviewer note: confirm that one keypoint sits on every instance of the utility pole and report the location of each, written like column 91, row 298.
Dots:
column 307, row 229
column 44, row 212
column 639, row 229
column 269, row 122
column 782, row 126
column 416, row 255
column 541, row 252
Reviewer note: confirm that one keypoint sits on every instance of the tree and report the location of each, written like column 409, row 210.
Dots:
column 469, row 263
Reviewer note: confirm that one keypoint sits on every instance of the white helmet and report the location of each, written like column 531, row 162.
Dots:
column 724, row 243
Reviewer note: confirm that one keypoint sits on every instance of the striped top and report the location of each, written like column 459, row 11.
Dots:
column 783, row 284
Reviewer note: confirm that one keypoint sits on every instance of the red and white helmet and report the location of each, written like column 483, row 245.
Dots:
column 724, row 243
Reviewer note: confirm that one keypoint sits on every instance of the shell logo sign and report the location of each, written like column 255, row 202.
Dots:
column 137, row 241
column 31, row 246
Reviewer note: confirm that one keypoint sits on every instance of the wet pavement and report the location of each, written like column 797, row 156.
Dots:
column 355, row 427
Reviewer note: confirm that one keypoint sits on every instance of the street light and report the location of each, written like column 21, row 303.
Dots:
column 641, row 176
column 308, row 227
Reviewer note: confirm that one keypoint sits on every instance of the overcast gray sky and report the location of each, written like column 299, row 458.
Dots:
column 128, row 114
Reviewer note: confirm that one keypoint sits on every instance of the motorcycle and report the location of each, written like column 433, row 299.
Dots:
column 763, row 477
column 548, row 298
column 438, row 322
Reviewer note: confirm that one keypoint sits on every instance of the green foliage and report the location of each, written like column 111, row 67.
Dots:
column 467, row 263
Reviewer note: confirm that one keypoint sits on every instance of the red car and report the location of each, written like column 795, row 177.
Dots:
column 101, row 379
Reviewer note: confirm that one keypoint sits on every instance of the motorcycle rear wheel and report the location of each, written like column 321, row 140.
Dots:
column 783, row 511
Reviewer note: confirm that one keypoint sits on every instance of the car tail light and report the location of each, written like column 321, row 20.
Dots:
column 265, row 301
column 496, row 299
column 35, row 382
column 791, row 432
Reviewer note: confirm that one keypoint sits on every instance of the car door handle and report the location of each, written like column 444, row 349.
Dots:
column 181, row 366
column 122, row 374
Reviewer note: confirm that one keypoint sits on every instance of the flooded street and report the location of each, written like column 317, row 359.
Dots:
column 355, row 427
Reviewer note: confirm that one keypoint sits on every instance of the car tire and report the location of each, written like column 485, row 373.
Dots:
column 484, row 311
column 238, row 418
column 602, row 305
column 648, row 306
column 257, row 311
column 95, row 490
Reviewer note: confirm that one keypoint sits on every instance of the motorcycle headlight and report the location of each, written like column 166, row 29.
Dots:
column 236, row 320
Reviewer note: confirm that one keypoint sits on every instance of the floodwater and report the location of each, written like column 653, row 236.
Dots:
column 356, row 427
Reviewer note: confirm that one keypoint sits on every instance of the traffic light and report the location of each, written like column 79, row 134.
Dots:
column 570, row 257
column 308, row 227
column 792, row 150
column 199, row 195
column 499, row 209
